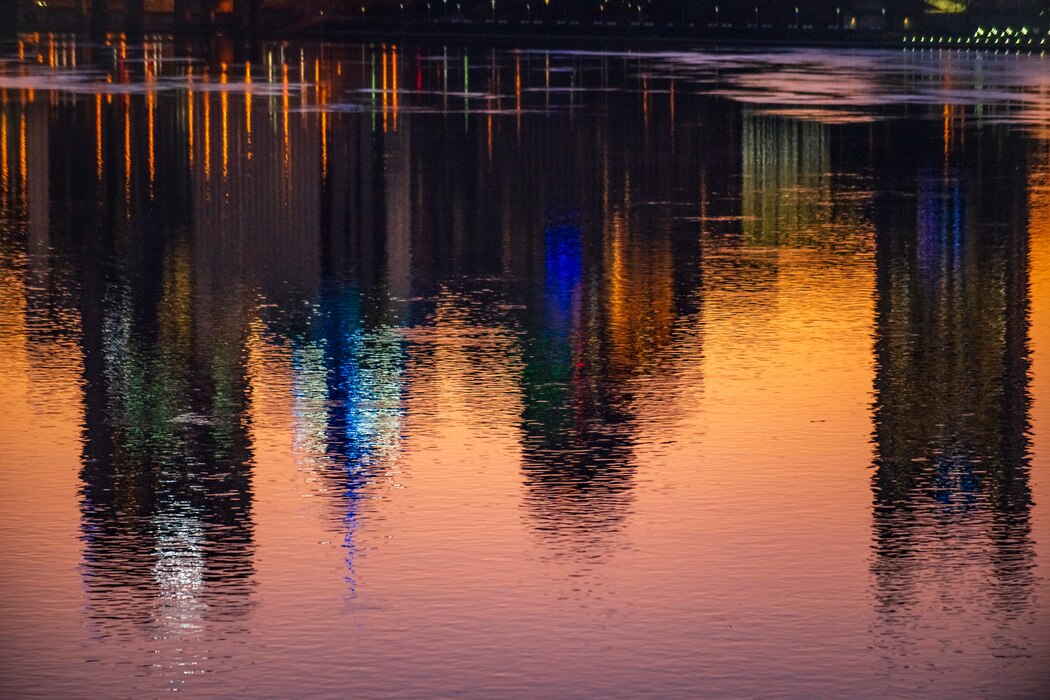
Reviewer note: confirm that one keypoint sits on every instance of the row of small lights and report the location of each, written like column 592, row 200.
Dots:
column 992, row 36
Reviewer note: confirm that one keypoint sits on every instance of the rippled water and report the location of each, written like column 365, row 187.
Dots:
column 418, row 371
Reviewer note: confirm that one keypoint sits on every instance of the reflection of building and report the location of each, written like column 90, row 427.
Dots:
column 528, row 217
column 788, row 195
column 951, row 490
column 256, row 204
column 356, row 399
column 160, row 242
column 606, row 311
column 167, row 455
column 577, row 441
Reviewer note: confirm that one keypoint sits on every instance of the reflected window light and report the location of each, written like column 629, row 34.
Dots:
column 564, row 265
column 22, row 169
column 98, row 133
column 248, row 109
column 127, row 154
column 206, row 97
column 189, row 119
column 150, row 102
column 225, row 100
column 3, row 156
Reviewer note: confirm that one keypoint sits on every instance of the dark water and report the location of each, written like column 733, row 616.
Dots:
column 420, row 371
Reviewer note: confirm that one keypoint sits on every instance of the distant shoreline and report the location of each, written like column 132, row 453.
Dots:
column 611, row 37
column 576, row 33
column 958, row 35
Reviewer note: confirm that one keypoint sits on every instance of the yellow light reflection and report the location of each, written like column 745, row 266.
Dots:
column 517, row 93
column 1039, row 286
column 224, row 100
column 947, row 130
column 98, row 134
column 284, row 116
column 207, row 135
column 248, row 107
column 150, row 103
column 3, row 155
column 324, row 144
column 189, row 118
column 127, row 153
column 22, row 172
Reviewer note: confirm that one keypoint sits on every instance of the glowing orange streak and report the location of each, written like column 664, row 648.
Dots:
column 248, row 107
column 284, row 96
column 517, row 82
column 150, row 100
column 224, row 101
column 23, row 172
column 189, row 124
column 98, row 133
column 3, row 155
column 517, row 93
column 324, row 144
column 127, row 152
column 207, row 135
column 947, row 130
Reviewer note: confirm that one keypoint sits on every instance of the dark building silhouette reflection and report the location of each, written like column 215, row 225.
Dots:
column 576, row 419
column 604, row 299
column 951, row 492
column 553, row 258
column 167, row 463
column 148, row 242
column 361, row 358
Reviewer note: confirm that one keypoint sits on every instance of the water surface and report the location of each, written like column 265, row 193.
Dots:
column 420, row 371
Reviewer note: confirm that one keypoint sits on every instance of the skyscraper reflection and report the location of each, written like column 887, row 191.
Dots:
column 160, row 286
column 951, row 491
column 577, row 439
column 605, row 300
column 474, row 340
column 362, row 361
column 167, row 496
